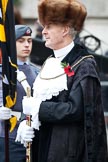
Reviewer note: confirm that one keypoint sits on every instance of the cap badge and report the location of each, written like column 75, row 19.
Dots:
column 28, row 31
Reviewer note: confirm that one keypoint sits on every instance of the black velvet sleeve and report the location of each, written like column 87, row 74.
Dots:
column 63, row 112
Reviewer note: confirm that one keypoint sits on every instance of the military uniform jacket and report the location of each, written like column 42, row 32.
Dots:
column 31, row 72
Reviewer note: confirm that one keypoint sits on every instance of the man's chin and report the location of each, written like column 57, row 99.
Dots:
column 26, row 54
column 48, row 45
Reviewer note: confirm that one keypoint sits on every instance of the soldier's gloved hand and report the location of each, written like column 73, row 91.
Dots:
column 5, row 113
column 25, row 133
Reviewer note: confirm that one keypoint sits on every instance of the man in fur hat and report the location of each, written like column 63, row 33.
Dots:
column 67, row 95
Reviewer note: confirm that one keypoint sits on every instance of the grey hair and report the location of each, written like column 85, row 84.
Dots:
column 72, row 32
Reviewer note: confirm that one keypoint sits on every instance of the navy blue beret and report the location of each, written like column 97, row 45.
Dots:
column 22, row 30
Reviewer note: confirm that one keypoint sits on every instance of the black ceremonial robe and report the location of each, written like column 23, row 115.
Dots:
column 72, row 123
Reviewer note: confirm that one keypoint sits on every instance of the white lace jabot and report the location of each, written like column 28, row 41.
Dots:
column 51, row 80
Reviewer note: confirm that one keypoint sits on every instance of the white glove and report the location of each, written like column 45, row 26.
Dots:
column 36, row 123
column 25, row 133
column 30, row 105
column 5, row 113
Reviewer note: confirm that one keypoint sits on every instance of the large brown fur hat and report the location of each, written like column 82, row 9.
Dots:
column 70, row 12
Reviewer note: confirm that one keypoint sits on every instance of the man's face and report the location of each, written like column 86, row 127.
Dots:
column 24, row 47
column 54, row 36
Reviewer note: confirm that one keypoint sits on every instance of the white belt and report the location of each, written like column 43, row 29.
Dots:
column 21, row 77
column 17, row 114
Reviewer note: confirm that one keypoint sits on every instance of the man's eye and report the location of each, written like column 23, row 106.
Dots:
column 48, row 26
column 29, row 41
column 20, row 40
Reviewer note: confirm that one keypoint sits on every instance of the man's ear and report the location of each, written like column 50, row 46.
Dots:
column 66, row 30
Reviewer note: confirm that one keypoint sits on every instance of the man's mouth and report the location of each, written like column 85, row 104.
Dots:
column 26, row 51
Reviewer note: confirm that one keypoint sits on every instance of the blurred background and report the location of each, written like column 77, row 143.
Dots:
column 94, row 36
column 96, row 23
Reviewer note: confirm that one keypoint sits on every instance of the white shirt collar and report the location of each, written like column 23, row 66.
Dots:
column 19, row 62
column 61, row 53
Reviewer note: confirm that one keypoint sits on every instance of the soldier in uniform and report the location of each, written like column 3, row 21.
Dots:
column 26, row 75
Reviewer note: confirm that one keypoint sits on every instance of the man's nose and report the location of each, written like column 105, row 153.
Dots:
column 44, row 30
column 26, row 43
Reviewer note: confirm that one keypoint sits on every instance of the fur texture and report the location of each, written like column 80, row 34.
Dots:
column 69, row 12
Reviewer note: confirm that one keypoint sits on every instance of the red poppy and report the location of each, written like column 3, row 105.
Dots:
column 69, row 71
